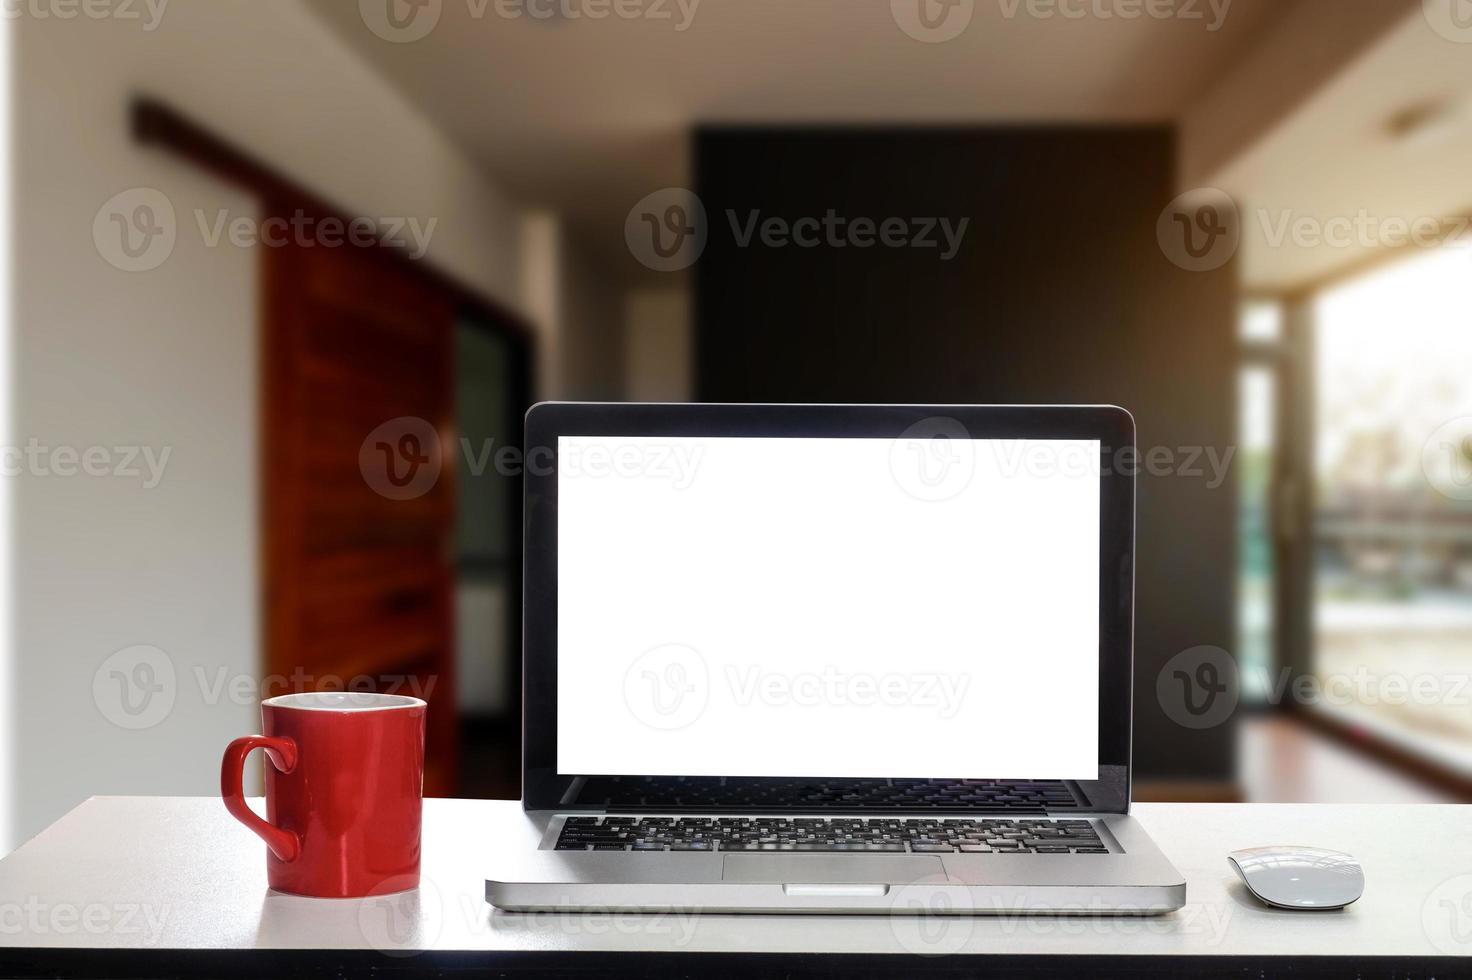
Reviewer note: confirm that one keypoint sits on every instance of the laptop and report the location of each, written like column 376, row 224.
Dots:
column 829, row 659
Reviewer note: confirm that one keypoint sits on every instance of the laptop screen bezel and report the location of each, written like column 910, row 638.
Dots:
column 543, row 787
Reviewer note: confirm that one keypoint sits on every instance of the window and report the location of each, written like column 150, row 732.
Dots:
column 1257, row 392
column 1392, row 502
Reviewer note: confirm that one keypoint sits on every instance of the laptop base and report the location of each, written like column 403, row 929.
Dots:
column 1134, row 878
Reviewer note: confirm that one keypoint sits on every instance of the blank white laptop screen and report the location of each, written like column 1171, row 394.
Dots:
column 861, row 608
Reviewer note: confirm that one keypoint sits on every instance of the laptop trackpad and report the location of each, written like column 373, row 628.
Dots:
column 830, row 868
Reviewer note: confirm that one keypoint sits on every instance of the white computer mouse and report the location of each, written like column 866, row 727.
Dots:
column 1299, row 877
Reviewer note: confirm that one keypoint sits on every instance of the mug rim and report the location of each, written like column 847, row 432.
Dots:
column 400, row 702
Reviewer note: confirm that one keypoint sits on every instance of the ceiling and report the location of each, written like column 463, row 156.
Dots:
column 586, row 116
column 1338, row 156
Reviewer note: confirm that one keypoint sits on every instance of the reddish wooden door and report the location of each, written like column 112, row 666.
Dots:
column 358, row 499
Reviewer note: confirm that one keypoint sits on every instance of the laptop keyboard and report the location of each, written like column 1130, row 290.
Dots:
column 664, row 793
column 858, row 834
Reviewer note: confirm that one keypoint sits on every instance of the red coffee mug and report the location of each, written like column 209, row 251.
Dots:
column 343, row 791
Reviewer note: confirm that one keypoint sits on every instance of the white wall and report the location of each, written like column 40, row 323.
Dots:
column 541, row 250
column 167, row 358
column 578, row 309
column 659, row 364
column 592, row 328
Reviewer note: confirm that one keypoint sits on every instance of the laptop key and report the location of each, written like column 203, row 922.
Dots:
column 923, row 835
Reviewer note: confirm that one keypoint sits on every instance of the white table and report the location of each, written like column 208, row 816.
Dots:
column 133, row 886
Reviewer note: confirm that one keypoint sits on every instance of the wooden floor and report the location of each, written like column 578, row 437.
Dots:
column 1279, row 761
column 1283, row 761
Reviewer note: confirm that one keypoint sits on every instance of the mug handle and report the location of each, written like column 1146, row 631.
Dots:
column 282, row 753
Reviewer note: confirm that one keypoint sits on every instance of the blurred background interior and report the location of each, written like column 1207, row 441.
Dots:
column 519, row 138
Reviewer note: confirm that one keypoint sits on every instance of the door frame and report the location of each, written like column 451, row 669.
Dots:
column 154, row 123
column 1293, row 491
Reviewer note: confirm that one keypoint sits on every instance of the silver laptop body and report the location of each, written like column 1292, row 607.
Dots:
column 829, row 659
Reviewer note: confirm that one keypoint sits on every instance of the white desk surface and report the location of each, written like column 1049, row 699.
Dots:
column 179, row 873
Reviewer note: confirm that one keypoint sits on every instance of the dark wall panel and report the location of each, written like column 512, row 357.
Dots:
column 1059, row 292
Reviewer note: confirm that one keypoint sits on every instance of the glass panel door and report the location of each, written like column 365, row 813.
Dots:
column 1392, row 504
